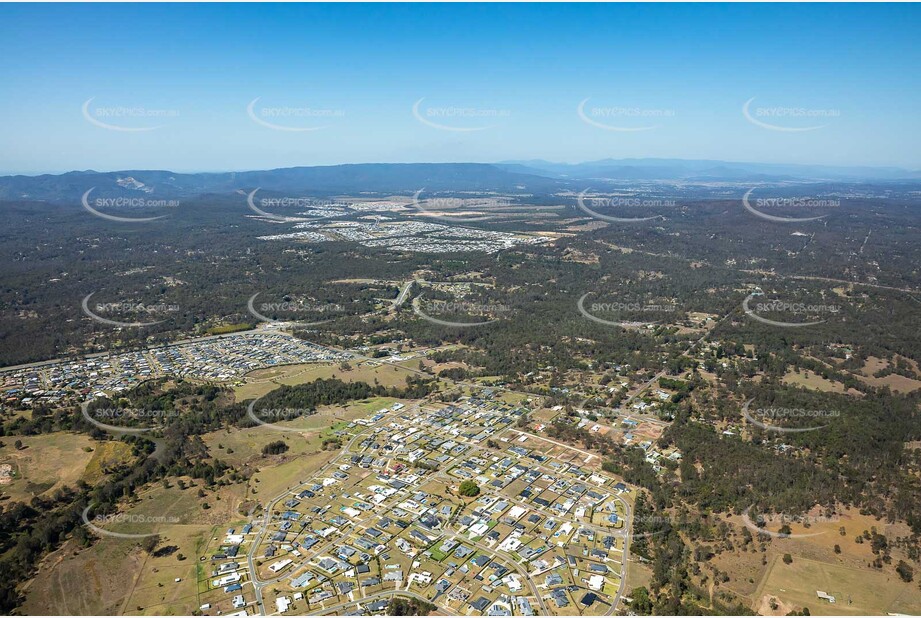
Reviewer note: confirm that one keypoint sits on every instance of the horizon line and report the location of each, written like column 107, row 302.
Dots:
column 523, row 162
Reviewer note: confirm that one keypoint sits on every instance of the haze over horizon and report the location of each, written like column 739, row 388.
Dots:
column 554, row 167
column 202, row 88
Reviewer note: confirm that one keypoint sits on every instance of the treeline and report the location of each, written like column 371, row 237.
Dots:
column 409, row 606
column 29, row 531
column 333, row 391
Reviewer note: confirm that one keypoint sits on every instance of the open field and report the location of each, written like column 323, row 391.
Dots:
column 638, row 574
column 260, row 382
column 89, row 581
column 816, row 566
column 857, row 591
column 38, row 467
column 239, row 446
column 155, row 590
column 815, row 382
column 896, row 382
column 270, row 482
column 106, row 454
column 115, row 576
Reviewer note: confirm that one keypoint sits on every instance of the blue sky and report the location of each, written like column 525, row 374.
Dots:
column 497, row 82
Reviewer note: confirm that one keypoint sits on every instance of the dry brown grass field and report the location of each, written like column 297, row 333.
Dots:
column 39, row 466
column 816, row 566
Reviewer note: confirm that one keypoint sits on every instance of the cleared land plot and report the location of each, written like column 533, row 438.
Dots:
column 115, row 577
column 857, row 591
column 37, row 467
column 106, row 455
column 240, row 446
column 748, row 575
column 896, row 382
column 262, row 381
column 815, row 382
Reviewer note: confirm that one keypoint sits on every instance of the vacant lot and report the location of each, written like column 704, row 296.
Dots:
column 896, row 382
column 815, row 563
column 115, row 577
column 813, row 381
column 262, row 381
column 107, row 455
column 857, row 591
column 44, row 463
column 244, row 446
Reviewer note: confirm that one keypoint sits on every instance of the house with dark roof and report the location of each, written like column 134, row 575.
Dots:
column 329, row 565
column 345, row 587
column 559, row 597
column 378, row 606
column 462, row 552
column 589, row 599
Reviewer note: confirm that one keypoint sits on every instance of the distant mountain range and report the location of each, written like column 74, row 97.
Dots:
column 510, row 176
column 366, row 177
column 707, row 171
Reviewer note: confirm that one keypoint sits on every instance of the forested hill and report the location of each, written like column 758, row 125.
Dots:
column 367, row 177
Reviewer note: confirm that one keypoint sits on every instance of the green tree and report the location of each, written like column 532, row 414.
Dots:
column 468, row 488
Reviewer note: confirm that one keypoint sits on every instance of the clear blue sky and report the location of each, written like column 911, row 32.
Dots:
column 523, row 69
